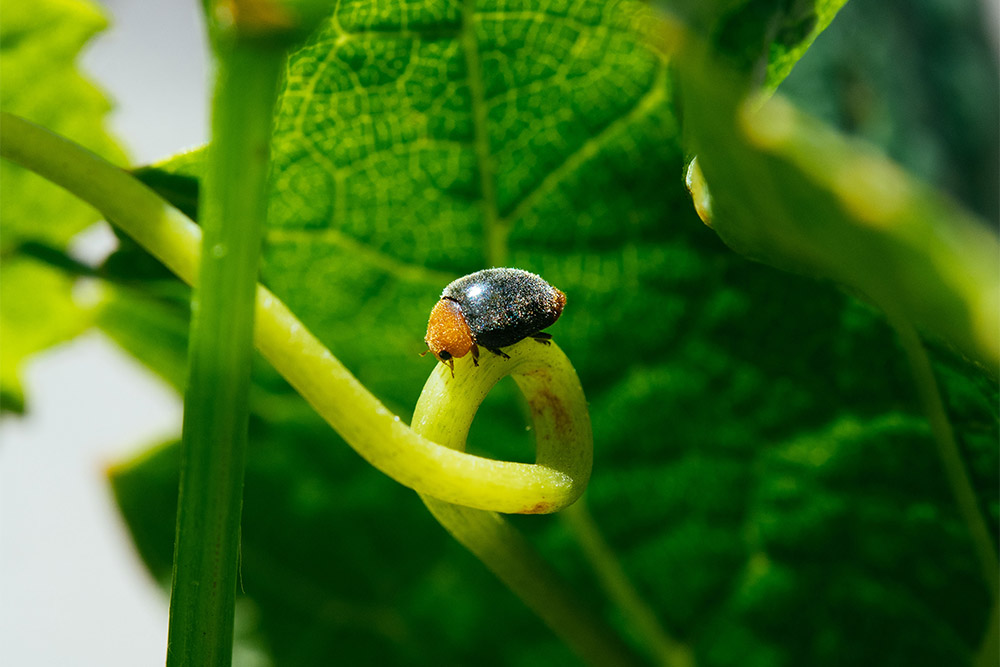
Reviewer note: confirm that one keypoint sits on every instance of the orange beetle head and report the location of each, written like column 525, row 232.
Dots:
column 560, row 302
column 448, row 334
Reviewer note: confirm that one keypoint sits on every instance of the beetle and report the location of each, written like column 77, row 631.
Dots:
column 492, row 308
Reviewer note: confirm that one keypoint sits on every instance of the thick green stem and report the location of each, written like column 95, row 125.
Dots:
column 216, row 412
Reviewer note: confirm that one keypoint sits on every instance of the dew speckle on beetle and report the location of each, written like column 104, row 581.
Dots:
column 493, row 308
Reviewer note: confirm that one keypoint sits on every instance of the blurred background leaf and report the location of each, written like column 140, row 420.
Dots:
column 39, row 46
column 919, row 80
column 788, row 190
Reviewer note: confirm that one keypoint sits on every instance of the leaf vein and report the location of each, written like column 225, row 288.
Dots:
column 495, row 239
column 590, row 148
column 404, row 270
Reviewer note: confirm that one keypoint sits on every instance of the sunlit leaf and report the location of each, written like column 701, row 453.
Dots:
column 39, row 46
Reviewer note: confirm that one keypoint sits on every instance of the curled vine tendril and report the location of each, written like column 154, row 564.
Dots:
column 564, row 442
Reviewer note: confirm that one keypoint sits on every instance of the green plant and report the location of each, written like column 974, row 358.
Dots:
column 783, row 474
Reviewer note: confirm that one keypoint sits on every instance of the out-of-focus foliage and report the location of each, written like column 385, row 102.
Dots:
column 39, row 44
column 920, row 80
column 761, row 467
column 790, row 192
column 794, row 194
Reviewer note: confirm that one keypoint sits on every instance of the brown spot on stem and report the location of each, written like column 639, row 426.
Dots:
column 546, row 403
column 540, row 508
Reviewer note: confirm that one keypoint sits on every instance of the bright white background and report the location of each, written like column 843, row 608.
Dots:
column 72, row 588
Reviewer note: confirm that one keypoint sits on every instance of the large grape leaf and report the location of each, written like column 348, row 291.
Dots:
column 761, row 469
column 39, row 45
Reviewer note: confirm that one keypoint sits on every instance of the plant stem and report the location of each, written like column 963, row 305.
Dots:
column 216, row 410
column 640, row 617
column 948, row 452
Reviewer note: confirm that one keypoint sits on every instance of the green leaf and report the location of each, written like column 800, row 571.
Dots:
column 39, row 45
column 761, row 38
column 151, row 324
column 38, row 311
column 802, row 24
column 761, row 468
column 404, row 595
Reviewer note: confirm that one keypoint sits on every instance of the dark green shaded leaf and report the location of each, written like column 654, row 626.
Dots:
column 178, row 189
column 403, row 595
column 153, row 328
column 761, row 38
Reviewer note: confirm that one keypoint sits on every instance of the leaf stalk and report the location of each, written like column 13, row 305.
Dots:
column 951, row 458
column 641, row 619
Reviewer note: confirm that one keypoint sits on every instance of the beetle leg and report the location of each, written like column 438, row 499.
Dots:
column 542, row 337
column 475, row 354
column 499, row 353
column 451, row 365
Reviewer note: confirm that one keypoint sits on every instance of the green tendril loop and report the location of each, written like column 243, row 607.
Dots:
column 447, row 406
